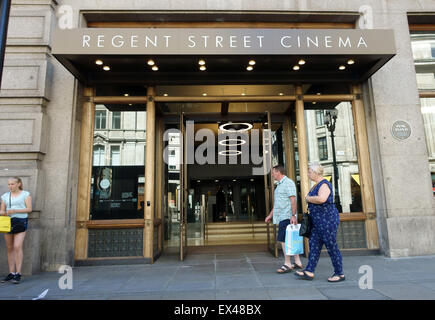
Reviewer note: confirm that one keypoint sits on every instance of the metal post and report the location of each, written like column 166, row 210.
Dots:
column 331, row 119
column 5, row 7
column 334, row 161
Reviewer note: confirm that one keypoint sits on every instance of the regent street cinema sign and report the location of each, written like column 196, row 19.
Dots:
column 195, row 41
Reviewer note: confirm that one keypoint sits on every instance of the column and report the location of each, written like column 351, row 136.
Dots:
column 149, row 174
column 85, row 173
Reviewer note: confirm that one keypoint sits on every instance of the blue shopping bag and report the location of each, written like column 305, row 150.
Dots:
column 293, row 241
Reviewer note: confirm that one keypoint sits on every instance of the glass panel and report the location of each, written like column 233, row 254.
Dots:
column 100, row 118
column 172, row 201
column 116, row 120
column 322, row 147
column 423, row 48
column 423, row 44
column 428, row 111
column 117, row 184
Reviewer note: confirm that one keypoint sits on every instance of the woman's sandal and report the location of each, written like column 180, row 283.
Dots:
column 340, row 278
column 297, row 266
column 284, row 269
column 304, row 276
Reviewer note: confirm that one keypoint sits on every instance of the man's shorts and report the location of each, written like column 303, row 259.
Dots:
column 282, row 226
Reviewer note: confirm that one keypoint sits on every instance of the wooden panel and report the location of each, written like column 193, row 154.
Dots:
column 367, row 194
column 85, row 172
column 149, row 174
column 422, row 27
column 353, row 216
column 118, row 223
column 251, row 25
column 427, row 94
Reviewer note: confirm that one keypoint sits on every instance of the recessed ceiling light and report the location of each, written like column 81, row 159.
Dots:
column 301, row 62
column 202, row 68
column 99, row 62
column 204, row 94
column 243, row 94
column 230, row 153
column 232, row 142
column 130, row 104
column 165, row 94
column 314, row 102
column 296, row 67
column 235, row 127
column 350, row 61
column 281, row 94
column 251, row 62
column 318, row 93
column 201, row 62
column 151, row 62
column 342, row 67
column 249, row 68
column 106, row 68
column 155, row 68
column 125, row 94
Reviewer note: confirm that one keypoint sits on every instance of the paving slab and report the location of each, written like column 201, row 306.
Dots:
column 352, row 293
column 296, row 294
column 409, row 291
column 243, row 294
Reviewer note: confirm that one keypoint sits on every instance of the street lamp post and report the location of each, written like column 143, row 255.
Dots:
column 330, row 120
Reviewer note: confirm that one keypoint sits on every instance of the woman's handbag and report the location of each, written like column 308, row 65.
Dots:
column 5, row 224
column 306, row 225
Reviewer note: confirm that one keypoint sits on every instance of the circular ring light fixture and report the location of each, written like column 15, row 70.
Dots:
column 241, row 142
column 230, row 153
column 235, row 127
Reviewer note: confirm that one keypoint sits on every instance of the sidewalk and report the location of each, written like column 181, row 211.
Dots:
column 233, row 276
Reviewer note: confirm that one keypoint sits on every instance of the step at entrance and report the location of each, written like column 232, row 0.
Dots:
column 239, row 232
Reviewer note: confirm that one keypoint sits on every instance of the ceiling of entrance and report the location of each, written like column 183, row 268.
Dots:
column 172, row 70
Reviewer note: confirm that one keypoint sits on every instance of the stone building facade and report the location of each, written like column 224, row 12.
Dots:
column 41, row 117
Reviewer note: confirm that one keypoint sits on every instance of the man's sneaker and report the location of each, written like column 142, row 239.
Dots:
column 9, row 277
column 17, row 278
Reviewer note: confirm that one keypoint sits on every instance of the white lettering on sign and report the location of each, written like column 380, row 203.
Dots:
column 220, row 41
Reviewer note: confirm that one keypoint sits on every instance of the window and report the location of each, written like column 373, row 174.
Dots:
column 423, row 48
column 115, row 156
column 116, row 120
column 320, row 149
column 323, row 148
column 100, row 119
column 98, row 156
column 320, row 118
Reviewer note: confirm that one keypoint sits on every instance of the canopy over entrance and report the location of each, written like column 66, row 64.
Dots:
column 278, row 56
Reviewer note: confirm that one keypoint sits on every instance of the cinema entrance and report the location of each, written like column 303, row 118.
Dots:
column 176, row 150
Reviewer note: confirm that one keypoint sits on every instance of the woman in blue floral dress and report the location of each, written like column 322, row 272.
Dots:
column 325, row 219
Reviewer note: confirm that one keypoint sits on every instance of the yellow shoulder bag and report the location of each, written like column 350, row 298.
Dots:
column 5, row 221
